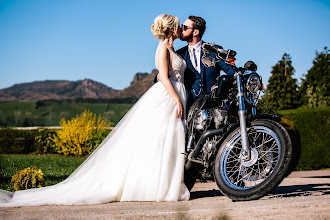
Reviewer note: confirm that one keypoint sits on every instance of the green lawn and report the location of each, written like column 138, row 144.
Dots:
column 55, row 167
column 49, row 113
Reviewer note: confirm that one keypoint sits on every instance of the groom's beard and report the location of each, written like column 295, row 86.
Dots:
column 187, row 37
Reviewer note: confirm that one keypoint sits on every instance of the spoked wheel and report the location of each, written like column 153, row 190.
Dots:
column 270, row 154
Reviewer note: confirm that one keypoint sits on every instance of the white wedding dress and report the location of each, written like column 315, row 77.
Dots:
column 142, row 159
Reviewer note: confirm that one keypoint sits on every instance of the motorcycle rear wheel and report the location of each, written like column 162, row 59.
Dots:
column 243, row 180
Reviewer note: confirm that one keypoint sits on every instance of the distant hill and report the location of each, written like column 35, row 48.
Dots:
column 140, row 84
column 64, row 89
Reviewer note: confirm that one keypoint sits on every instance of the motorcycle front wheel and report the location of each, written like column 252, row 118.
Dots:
column 270, row 155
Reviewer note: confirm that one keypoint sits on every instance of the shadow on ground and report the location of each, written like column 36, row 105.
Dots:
column 281, row 191
column 301, row 190
column 202, row 194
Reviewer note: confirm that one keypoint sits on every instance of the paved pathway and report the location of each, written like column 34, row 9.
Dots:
column 303, row 195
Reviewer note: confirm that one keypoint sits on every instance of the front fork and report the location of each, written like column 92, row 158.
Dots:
column 245, row 153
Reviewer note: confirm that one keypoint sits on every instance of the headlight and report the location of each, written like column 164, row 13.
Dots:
column 253, row 83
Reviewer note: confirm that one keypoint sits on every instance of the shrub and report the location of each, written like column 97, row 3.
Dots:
column 28, row 178
column 97, row 137
column 17, row 141
column 313, row 125
column 295, row 140
column 75, row 137
column 43, row 141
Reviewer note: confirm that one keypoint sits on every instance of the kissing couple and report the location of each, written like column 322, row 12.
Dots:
column 143, row 158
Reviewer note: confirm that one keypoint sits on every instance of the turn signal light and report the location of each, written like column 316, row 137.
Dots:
column 231, row 60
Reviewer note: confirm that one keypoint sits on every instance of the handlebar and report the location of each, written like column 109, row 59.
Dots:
column 227, row 56
column 220, row 52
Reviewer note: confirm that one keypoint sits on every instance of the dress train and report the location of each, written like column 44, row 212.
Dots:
column 142, row 159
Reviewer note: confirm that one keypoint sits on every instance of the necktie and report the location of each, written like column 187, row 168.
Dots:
column 195, row 58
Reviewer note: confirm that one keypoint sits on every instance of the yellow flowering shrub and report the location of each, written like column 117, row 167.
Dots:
column 75, row 136
column 28, row 178
column 43, row 141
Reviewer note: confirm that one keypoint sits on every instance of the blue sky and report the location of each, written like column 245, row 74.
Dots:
column 110, row 41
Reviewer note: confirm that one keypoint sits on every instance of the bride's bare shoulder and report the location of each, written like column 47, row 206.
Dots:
column 163, row 51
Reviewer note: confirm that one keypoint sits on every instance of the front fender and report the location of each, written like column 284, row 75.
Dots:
column 248, row 123
column 266, row 116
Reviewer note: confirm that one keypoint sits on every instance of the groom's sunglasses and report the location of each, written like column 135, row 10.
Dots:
column 184, row 27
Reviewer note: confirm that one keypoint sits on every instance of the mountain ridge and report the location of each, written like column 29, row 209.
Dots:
column 86, row 88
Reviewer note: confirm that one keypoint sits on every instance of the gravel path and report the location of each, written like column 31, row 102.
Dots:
column 303, row 195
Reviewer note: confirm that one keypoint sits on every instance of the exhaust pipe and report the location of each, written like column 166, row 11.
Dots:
column 192, row 157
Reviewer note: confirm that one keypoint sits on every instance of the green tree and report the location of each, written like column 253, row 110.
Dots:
column 315, row 87
column 282, row 88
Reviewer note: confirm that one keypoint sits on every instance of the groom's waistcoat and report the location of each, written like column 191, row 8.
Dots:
column 198, row 84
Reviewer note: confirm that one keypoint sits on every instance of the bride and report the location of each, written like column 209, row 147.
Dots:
column 142, row 159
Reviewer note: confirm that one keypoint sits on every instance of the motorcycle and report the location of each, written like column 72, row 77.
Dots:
column 247, row 154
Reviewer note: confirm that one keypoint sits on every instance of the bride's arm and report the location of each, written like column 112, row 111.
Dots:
column 163, row 62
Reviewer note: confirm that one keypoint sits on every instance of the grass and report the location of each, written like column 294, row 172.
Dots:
column 55, row 167
column 49, row 113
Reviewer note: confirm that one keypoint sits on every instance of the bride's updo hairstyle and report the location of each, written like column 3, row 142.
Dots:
column 162, row 24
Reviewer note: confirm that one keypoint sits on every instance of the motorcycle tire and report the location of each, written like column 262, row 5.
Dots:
column 242, row 180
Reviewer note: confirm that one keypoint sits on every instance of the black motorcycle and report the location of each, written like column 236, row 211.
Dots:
column 248, row 155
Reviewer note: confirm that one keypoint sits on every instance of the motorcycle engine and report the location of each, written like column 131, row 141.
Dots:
column 201, row 120
column 209, row 148
column 219, row 116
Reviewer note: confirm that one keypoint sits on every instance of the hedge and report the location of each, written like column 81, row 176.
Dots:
column 313, row 125
column 14, row 141
column 311, row 134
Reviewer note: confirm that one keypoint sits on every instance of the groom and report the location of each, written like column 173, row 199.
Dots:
column 198, row 79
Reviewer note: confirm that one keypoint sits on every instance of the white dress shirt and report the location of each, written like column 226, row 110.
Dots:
column 197, row 48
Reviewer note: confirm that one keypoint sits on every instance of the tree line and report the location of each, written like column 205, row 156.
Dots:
column 283, row 91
